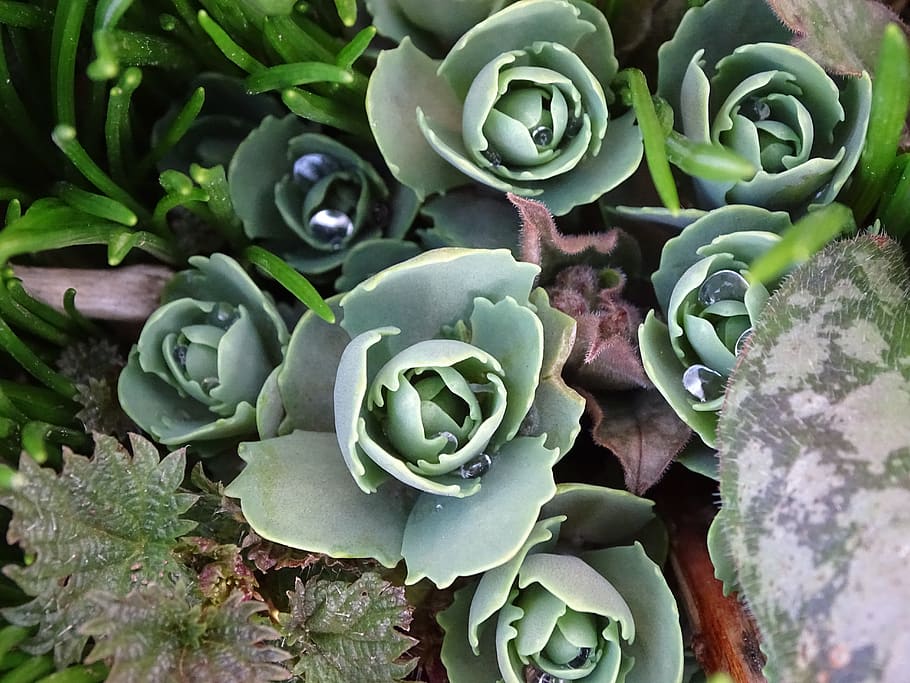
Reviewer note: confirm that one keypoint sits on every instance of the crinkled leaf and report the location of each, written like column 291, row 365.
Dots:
column 343, row 632
column 641, row 430
column 843, row 36
column 165, row 635
column 815, row 467
column 107, row 523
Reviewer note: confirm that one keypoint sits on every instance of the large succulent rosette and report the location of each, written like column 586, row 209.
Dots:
column 202, row 358
column 429, row 419
column 312, row 199
column 581, row 601
column 732, row 80
column 519, row 104
column 710, row 306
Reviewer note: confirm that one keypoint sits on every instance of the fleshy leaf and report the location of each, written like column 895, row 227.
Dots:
column 842, row 36
column 297, row 490
column 815, row 467
column 107, row 523
column 166, row 635
column 343, row 632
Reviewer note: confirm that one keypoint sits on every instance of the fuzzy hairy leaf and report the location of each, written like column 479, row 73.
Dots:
column 346, row 632
column 815, row 468
column 841, row 35
column 163, row 634
column 107, row 523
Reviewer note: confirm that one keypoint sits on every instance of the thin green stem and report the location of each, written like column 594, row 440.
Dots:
column 37, row 436
column 178, row 128
column 117, row 130
column 32, row 364
column 64, row 44
column 227, row 45
column 291, row 280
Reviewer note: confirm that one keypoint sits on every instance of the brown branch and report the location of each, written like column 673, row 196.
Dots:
column 725, row 637
column 127, row 294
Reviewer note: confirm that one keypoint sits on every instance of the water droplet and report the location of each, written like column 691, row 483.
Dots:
column 542, row 136
column 742, row 341
column 332, row 227
column 437, row 507
column 313, row 167
column 724, row 285
column 755, row 109
column 535, row 675
column 703, row 383
column 209, row 383
column 223, row 315
column 180, row 355
column 476, row 467
column 584, row 654
column 452, row 440
column 573, row 126
column 492, row 156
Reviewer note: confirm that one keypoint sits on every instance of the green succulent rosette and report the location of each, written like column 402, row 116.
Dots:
column 429, row 419
column 202, row 357
column 582, row 600
column 227, row 116
column 430, row 26
column 732, row 80
column 519, row 104
column 710, row 306
column 310, row 198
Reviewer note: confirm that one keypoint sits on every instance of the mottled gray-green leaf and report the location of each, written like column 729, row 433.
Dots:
column 345, row 632
column 108, row 523
column 841, row 35
column 815, row 468
column 166, row 635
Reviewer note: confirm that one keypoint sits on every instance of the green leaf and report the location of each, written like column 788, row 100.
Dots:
column 106, row 523
column 344, row 632
column 842, row 36
column 815, row 467
column 801, row 240
column 291, row 280
column 164, row 634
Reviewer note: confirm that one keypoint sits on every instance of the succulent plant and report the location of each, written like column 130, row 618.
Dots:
column 310, row 198
column 404, row 435
column 710, row 308
column 520, row 104
column 732, row 80
column 581, row 601
column 203, row 356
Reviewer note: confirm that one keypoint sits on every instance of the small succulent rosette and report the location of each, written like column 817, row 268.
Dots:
column 429, row 419
column 433, row 27
column 311, row 199
column 732, row 80
column 202, row 357
column 710, row 306
column 519, row 104
column 582, row 600
column 227, row 116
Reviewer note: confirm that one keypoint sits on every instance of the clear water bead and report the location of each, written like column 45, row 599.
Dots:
column 492, row 156
column 223, row 315
column 180, row 355
column 476, row 467
column 584, row 654
column 332, row 227
column 209, row 383
column 573, row 127
column 542, row 136
column 703, row 383
column 755, row 109
column 724, row 285
column 313, row 167
column 742, row 341
column 452, row 440
column 535, row 675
